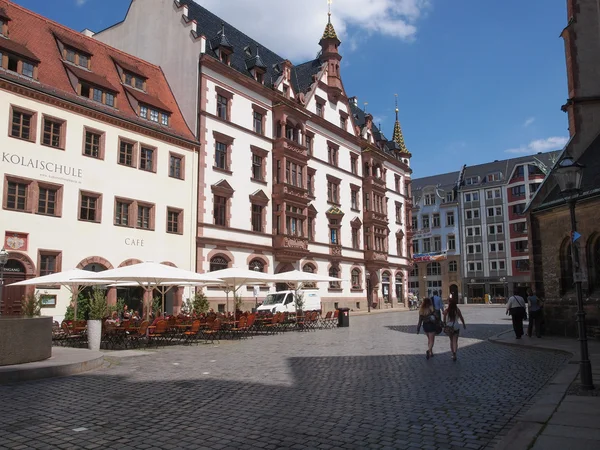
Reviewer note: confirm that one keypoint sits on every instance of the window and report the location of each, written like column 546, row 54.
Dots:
column 174, row 221
column 415, row 246
column 311, row 224
column 450, row 219
column 257, row 218
column 491, row 194
column 474, row 266
column 310, row 184
column 434, row 268
column 429, row 199
column 343, row 122
column 332, row 192
column 533, row 187
column 333, row 236
column 218, row 263
column 293, row 174
column 97, row 95
column 332, row 155
column 452, row 266
column 176, row 166
column 335, row 273
column 93, row 144
column 52, row 132
column 518, row 209
column 520, row 227
column 355, row 240
column 471, row 180
column 22, row 125
column 126, row 153
column 534, row 170
column 449, row 197
column 47, row 201
column 147, row 159
column 319, row 109
column 473, row 248
column 522, row 265
column 399, row 213
column 471, row 214
column 496, row 176
column 425, row 221
column 309, row 144
column 427, row 245
column 437, row 243
column 355, row 279
column 222, row 103
column 220, row 210
column 70, row 55
column 473, row 231
column 496, row 246
column 436, row 220
column 257, row 167
column 89, row 209
column 451, row 242
column 518, row 191
column 164, row 119
column 353, row 199
column 472, row 197
column 27, row 69
column 154, row 115
column 17, row 196
column 495, row 229
column 48, row 264
column 143, row 111
column 258, row 122
column 494, row 211
column 498, row 265
column 520, row 172
column 521, row 246
column 415, row 223
column 83, row 60
column 256, row 265
column 221, row 156
column 144, row 217
column 122, row 213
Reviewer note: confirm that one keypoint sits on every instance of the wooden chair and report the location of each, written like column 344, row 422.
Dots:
column 214, row 332
column 159, row 333
column 240, row 329
column 193, row 333
column 135, row 338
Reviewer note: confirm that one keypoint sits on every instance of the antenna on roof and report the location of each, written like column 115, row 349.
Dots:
column 365, row 108
column 329, row 9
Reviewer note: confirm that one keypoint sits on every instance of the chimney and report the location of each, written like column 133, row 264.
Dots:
column 88, row 33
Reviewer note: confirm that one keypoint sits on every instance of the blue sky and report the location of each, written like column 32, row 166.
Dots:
column 476, row 80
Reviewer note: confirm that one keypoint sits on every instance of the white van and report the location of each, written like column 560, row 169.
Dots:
column 283, row 301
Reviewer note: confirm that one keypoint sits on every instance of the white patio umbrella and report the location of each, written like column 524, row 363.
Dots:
column 296, row 279
column 75, row 280
column 150, row 275
column 234, row 278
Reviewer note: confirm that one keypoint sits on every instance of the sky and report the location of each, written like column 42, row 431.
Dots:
column 477, row 80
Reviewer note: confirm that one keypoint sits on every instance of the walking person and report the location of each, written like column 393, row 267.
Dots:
column 452, row 315
column 428, row 319
column 516, row 308
column 438, row 305
column 535, row 313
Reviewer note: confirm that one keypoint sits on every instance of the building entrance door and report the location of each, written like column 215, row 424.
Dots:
column 12, row 296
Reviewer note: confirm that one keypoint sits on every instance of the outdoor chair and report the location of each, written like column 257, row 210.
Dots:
column 214, row 332
column 134, row 338
column 159, row 334
column 69, row 337
column 250, row 327
column 240, row 329
column 324, row 321
column 193, row 333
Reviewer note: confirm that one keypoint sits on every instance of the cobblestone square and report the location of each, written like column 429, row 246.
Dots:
column 367, row 386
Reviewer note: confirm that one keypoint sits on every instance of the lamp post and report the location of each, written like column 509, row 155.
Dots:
column 568, row 175
column 256, row 290
column 3, row 261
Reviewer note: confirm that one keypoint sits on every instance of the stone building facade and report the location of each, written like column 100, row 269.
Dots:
column 548, row 214
column 292, row 174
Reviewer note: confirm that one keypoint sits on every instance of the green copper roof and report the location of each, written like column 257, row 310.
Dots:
column 329, row 32
column 398, row 136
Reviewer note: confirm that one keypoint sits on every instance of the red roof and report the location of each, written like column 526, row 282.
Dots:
column 148, row 100
column 36, row 34
column 18, row 49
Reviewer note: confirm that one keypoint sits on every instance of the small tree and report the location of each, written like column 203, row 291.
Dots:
column 187, row 306
column 98, row 306
column 299, row 300
column 200, row 304
column 157, row 304
column 83, row 307
column 238, row 302
column 31, row 305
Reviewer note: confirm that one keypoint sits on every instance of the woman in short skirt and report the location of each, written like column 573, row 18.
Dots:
column 451, row 317
column 428, row 319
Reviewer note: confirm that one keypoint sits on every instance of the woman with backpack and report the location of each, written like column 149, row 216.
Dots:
column 429, row 321
column 452, row 315
column 516, row 308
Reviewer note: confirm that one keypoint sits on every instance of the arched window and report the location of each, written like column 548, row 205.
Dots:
column 566, row 266
column 414, row 272
column 434, row 268
column 452, row 266
column 257, row 265
column 309, row 268
column 355, row 279
column 218, row 263
column 334, row 271
column 593, row 258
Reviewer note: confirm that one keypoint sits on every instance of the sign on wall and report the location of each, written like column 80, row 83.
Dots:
column 46, row 169
column 16, row 241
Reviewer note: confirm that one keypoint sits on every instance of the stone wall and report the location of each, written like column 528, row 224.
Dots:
column 24, row 340
column 548, row 231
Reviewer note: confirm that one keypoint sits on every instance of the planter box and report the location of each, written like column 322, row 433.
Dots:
column 24, row 339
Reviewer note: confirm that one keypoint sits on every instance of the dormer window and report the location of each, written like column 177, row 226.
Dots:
column 16, row 58
column 154, row 115
column 224, row 57
column 76, row 57
column 97, row 94
column 3, row 27
column 135, row 81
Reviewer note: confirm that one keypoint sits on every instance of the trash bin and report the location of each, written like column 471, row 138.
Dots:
column 343, row 317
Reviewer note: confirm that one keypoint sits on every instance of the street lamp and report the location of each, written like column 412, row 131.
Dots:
column 569, row 174
column 256, row 290
column 3, row 261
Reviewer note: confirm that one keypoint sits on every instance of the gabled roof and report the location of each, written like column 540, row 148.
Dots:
column 445, row 181
column 18, row 49
column 38, row 36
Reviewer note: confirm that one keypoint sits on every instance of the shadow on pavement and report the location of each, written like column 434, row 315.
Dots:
column 473, row 331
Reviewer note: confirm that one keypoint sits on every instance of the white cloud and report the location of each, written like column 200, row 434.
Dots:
column 80, row 2
column 541, row 145
column 529, row 121
column 293, row 29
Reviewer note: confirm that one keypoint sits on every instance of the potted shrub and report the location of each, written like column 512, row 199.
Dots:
column 98, row 311
column 31, row 305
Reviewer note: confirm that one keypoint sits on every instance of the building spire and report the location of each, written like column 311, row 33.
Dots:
column 398, row 136
column 329, row 32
